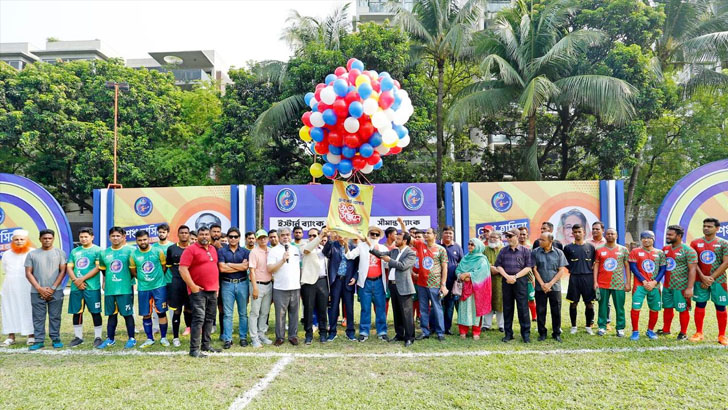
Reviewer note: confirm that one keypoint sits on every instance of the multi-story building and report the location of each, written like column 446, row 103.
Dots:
column 18, row 55
column 379, row 10
column 188, row 67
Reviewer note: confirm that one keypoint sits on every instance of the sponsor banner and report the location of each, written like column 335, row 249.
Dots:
column 151, row 229
column 419, row 222
column 303, row 222
column 502, row 226
column 349, row 209
column 6, row 238
column 723, row 230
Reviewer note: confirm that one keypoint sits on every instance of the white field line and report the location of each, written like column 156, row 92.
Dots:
column 263, row 354
column 242, row 401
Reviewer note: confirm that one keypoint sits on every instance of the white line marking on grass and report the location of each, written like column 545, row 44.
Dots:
column 242, row 401
column 69, row 352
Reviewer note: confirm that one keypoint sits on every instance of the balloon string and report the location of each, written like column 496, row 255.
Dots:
column 365, row 178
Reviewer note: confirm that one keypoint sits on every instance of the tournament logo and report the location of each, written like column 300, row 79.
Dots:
column 610, row 264
column 501, row 201
column 143, row 206
column 428, row 263
column 413, row 198
column 286, row 200
column 82, row 263
column 116, row 266
column 352, row 190
column 348, row 215
column 148, row 267
column 648, row 265
column 671, row 264
column 707, row 257
column 2, row 216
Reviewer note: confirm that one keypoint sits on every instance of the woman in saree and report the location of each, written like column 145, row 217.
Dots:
column 474, row 272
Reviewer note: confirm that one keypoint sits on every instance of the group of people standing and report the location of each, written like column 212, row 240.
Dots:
column 419, row 276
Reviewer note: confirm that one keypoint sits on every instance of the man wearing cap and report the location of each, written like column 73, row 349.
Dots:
column 261, row 289
column 648, row 265
column 17, row 313
column 487, row 229
column 371, row 284
column 514, row 264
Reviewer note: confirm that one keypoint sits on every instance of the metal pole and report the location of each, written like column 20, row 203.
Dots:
column 116, row 114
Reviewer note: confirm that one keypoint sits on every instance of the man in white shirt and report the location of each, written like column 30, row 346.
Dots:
column 314, row 285
column 284, row 262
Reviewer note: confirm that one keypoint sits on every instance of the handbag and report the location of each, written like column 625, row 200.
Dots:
column 457, row 288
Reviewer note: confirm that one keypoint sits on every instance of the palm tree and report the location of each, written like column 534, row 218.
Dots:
column 302, row 30
column 441, row 32
column 527, row 60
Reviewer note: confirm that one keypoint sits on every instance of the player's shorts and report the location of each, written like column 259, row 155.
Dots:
column 177, row 295
column 531, row 292
column 153, row 299
column 121, row 304
column 639, row 294
column 81, row 299
column 581, row 286
column 717, row 292
column 674, row 299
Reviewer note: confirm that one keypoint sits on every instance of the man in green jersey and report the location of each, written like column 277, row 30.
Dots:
column 163, row 244
column 83, row 271
column 149, row 264
column 118, row 294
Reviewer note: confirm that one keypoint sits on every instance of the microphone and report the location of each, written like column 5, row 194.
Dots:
column 286, row 248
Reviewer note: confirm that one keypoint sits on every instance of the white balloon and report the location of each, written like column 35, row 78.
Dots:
column 347, row 175
column 381, row 149
column 387, row 126
column 400, row 117
column 403, row 94
column 403, row 142
column 351, row 125
column 379, row 119
column 368, row 169
column 370, row 106
column 335, row 159
column 389, row 136
column 317, row 119
column 312, row 102
column 390, row 114
column 328, row 95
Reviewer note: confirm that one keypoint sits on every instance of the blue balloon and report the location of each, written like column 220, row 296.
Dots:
column 325, row 157
column 329, row 169
column 356, row 109
column 378, row 164
column 386, row 84
column 330, row 78
column 341, row 87
column 312, row 147
column 307, row 98
column 333, row 149
column 352, row 88
column 401, row 131
column 348, row 152
column 315, row 107
column 345, row 166
column 365, row 90
column 329, row 117
column 356, row 64
column 317, row 134
column 366, row 150
column 384, row 74
column 375, row 140
column 397, row 102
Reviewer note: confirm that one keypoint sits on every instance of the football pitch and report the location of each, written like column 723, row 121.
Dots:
column 582, row 372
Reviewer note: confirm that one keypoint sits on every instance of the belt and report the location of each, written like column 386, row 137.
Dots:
column 234, row 280
column 377, row 278
column 263, row 283
column 392, row 282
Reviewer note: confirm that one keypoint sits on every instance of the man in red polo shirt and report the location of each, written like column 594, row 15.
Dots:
column 198, row 268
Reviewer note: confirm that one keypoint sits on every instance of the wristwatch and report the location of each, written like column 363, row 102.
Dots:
column 54, row 287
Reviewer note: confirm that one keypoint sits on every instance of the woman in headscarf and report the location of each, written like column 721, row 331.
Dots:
column 474, row 272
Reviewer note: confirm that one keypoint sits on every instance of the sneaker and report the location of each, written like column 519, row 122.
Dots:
column 9, row 342
column 30, row 341
column 106, row 343
column 363, row 338
column 602, row 332
column 130, row 344
column 323, row 339
column 198, row 354
column 57, row 344
column 164, row 341
column 620, row 333
column 574, row 329
column 97, row 342
column 351, row 338
column 635, row 335
column 186, row 332
column 36, row 346
column 256, row 344
column 176, row 342
column 383, row 337
column 331, row 338
column 75, row 342
column 263, row 339
column 651, row 334
column 661, row 332
column 590, row 331
column 697, row 337
column 147, row 344
column 308, row 340
column 682, row 336
column 243, row 342
column 228, row 344
column 723, row 340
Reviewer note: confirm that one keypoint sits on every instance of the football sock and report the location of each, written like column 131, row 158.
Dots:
column 652, row 319
column 635, row 319
column 111, row 326
column 699, row 317
column 684, row 321
column 147, row 322
column 721, row 315
column 667, row 316
column 175, row 323
column 129, row 326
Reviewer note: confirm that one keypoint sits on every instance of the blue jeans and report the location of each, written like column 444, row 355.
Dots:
column 338, row 292
column 373, row 291
column 429, row 299
column 235, row 293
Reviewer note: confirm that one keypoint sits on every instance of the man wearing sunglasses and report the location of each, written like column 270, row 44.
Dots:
column 235, row 288
column 314, row 285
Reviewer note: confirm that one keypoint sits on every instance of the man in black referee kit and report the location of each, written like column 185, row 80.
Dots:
column 580, row 256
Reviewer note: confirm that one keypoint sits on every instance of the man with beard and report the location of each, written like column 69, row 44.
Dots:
column 83, row 271
column 298, row 237
column 250, row 240
column 148, row 266
column 17, row 312
column 682, row 265
column 215, row 236
column 495, row 244
column 454, row 255
column 177, row 297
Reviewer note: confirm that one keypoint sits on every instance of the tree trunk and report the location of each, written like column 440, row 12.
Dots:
column 530, row 170
column 564, row 137
column 439, row 130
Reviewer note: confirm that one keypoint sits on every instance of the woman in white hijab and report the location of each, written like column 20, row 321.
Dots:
column 16, row 310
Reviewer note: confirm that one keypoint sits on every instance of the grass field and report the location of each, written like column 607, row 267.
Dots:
column 582, row 372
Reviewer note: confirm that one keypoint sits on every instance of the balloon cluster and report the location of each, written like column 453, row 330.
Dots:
column 357, row 116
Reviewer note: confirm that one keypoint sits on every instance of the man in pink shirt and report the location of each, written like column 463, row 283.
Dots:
column 261, row 289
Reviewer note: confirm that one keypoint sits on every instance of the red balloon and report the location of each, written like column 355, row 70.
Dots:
column 373, row 159
column 321, row 148
column 386, row 100
column 306, row 118
column 375, row 85
column 353, row 74
column 396, row 84
column 336, row 139
column 320, row 86
column 340, row 70
column 323, row 107
column 351, row 97
column 348, row 63
column 365, row 131
column 358, row 162
column 395, row 150
column 351, row 141
column 317, row 94
column 341, row 108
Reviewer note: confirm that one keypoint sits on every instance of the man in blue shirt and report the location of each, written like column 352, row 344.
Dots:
column 233, row 265
column 454, row 255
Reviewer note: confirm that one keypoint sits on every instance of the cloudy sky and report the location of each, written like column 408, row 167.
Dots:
column 237, row 30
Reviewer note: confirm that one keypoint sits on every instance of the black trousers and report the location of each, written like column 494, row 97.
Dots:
column 553, row 299
column 203, row 305
column 315, row 296
column 516, row 294
column 404, row 321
